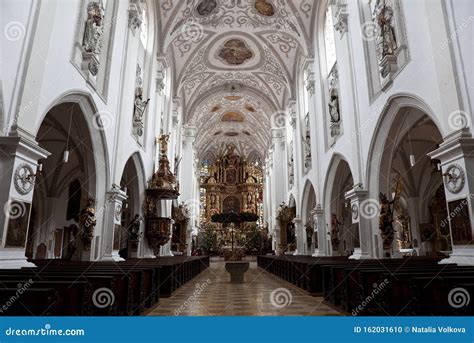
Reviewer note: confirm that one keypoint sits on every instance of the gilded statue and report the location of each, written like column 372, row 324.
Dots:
column 335, row 240
column 163, row 140
column 386, row 214
column 87, row 222
column 134, row 227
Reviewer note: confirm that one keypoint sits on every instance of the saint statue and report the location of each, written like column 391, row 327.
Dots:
column 163, row 140
column 335, row 240
column 87, row 222
column 94, row 28
column 334, row 106
column 386, row 39
column 386, row 214
column 134, row 228
column 139, row 110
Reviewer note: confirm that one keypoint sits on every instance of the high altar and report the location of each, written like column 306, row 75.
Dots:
column 232, row 185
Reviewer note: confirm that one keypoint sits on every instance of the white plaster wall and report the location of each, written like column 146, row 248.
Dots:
column 438, row 75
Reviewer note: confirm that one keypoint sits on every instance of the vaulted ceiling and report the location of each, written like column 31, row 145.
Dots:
column 234, row 64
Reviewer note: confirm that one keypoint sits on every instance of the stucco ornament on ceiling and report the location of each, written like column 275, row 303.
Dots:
column 234, row 56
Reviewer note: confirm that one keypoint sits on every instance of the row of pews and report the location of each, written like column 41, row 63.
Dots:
column 65, row 288
column 404, row 286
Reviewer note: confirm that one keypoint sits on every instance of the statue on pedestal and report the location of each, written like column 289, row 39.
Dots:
column 94, row 28
column 87, row 222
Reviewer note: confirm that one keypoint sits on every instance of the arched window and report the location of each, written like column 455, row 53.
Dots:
column 329, row 41
column 332, row 76
column 141, row 98
column 144, row 28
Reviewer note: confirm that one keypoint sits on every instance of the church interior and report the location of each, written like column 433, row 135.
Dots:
column 237, row 158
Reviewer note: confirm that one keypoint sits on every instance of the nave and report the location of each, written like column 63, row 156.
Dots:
column 263, row 294
column 316, row 148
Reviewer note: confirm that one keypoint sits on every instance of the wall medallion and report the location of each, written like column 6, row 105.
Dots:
column 118, row 212
column 454, row 178
column 23, row 179
column 235, row 52
column 355, row 211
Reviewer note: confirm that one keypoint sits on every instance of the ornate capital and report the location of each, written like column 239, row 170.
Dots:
column 189, row 131
column 135, row 18
column 341, row 24
column 310, row 83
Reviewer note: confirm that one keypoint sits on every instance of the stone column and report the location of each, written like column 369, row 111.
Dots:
column 361, row 216
column 113, row 229
column 187, row 181
column 277, row 159
column 319, row 231
column 456, row 155
column 18, row 165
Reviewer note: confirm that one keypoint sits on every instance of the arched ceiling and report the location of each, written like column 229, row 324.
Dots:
column 227, row 56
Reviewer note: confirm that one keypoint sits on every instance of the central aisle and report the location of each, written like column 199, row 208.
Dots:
column 211, row 294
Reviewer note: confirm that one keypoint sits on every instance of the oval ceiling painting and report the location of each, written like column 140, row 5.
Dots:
column 235, row 52
column 264, row 7
column 206, row 7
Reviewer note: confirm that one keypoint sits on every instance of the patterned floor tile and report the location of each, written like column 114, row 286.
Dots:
column 263, row 294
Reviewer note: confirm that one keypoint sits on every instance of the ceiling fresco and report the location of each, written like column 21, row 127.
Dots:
column 245, row 49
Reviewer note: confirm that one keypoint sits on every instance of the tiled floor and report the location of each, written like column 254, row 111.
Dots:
column 262, row 294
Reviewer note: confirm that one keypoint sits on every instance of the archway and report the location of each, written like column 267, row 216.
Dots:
column 128, row 236
column 411, row 182
column 307, row 214
column 343, row 235
column 66, row 185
